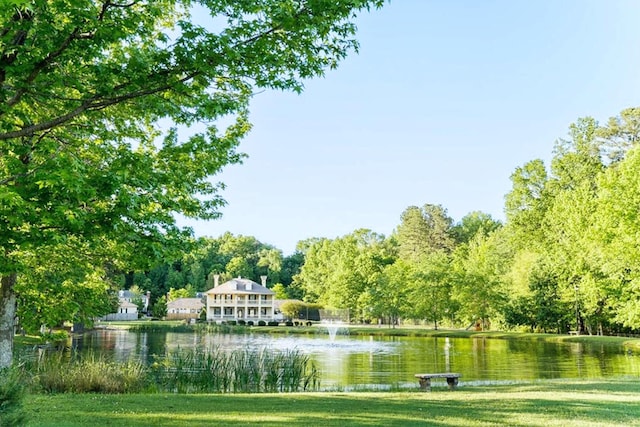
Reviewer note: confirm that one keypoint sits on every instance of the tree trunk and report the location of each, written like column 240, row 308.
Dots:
column 7, row 319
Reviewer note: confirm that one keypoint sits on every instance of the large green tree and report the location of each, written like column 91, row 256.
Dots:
column 85, row 86
column 337, row 273
column 423, row 230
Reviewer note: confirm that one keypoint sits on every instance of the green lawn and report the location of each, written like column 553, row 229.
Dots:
column 545, row 403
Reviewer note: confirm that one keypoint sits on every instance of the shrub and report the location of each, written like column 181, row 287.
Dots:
column 272, row 323
column 242, row 322
column 262, row 323
column 290, row 323
column 231, row 322
column 12, row 412
column 250, row 323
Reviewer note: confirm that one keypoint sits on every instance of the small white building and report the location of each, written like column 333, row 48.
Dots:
column 132, row 296
column 240, row 299
column 126, row 311
column 184, row 308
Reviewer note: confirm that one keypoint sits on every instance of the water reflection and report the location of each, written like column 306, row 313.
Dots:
column 356, row 361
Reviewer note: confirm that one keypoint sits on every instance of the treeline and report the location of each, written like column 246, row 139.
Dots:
column 566, row 258
column 228, row 256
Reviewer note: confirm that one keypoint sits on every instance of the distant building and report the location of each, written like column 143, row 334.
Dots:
column 184, row 308
column 126, row 311
column 131, row 296
column 240, row 299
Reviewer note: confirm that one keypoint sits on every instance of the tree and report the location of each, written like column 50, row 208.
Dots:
column 525, row 203
column 159, row 308
column 472, row 224
column 84, row 86
column 615, row 232
column 621, row 133
column 271, row 260
column 389, row 297
column 280, row 291
column 431, row 294
column 174, row 294
column 62, row 285
column 477, row 276
column 423, row 230
column 337, row 272
column 412, row 234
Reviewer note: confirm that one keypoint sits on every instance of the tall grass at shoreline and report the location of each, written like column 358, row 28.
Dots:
column 240, row 371
column 182, row 371
column 56, row 372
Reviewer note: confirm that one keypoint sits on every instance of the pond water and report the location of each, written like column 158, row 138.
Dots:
column 380, row 362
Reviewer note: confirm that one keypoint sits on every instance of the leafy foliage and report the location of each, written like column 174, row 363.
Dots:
column 114, row 116
column 12, row 392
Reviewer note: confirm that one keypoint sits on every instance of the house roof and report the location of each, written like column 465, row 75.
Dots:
column 123, row 303
column 190, row 303
column 240, row 286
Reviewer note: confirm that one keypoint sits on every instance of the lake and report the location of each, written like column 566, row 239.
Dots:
column 381, row 362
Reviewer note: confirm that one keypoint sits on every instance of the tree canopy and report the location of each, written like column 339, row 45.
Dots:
column 114, row 116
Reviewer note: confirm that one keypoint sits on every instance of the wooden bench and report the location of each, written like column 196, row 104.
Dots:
column 425, row 380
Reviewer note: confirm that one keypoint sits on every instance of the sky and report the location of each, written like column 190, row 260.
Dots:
column 444, row 100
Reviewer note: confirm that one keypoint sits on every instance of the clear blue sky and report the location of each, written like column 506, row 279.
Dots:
column 443, row 102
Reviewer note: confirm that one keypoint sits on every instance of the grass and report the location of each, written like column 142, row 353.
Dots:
column 542, row 403
column 182, row 371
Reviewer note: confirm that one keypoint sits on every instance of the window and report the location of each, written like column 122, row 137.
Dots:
column 263, row 297
column 228, row 311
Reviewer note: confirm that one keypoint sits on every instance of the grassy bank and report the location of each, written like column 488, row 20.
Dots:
column 548, row 403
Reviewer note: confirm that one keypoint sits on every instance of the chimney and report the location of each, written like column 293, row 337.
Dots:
column 216, row 280
column 263, row 279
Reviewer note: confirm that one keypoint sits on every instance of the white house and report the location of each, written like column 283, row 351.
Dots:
column 131, row 296
column 240, row 299
column 184, row 308
column 126, row 311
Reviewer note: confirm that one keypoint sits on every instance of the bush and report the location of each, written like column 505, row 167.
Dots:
column 290, row 323
column 262, row 323
column 272, row 323
column 250, row 323
column 242, row 322
column 11, row 397
column 231, row 322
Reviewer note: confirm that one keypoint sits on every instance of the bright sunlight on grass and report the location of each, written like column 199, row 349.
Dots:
column 544, row 403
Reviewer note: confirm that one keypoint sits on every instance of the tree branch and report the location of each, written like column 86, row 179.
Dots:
column 94, row 103
column 18, row 40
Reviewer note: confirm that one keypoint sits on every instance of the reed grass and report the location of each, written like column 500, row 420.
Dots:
column 240, row 371
column 181, row 371
column 12, row 393
column 55, row 372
